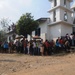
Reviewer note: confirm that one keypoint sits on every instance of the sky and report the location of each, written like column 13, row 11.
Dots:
column 13, row 9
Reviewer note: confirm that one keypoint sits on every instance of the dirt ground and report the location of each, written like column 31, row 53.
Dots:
column 20, row 64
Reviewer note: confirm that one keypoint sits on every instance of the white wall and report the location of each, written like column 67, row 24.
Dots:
column 67, row 4
column 70, row 18
column 62, row 16
column 58, row 2
column 58, row 14
column 43, row 27
column 59, row 30
column 51, row 17
column 44, row 36
column 66, row 29
column 52, row 3
column 33, row 33
column 74, row 14
column 55, row 31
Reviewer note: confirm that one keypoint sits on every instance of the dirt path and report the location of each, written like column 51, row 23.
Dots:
column 19, row 64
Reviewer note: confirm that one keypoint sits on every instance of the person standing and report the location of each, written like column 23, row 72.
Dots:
column 5, row 46
column 42, row 49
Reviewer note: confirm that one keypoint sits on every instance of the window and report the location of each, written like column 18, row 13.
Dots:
column 73, row 30
column 74, row 9
column 54, row 16
column 65, row 16
column 74, row 21
column 65, row 3
column 55, row 2
column 9, row 38
column 37, row 32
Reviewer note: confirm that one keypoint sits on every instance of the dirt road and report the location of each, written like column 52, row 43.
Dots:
column 20, row 64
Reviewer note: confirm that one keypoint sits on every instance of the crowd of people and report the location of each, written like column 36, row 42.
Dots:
column 38, row 47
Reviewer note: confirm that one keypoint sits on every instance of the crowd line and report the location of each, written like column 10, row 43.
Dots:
column 38, row 47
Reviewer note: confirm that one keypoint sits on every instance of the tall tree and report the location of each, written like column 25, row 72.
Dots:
column 26, row 24
column 2, row 36
column 4, row 23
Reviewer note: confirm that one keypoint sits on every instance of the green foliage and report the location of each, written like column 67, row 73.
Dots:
column 26, row 24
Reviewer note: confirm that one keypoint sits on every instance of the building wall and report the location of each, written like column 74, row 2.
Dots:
column 70, row 18
column 58, row 14
column 33, row 34
column 66, row 29
column 60, row 11
column 52, row 3
column 68, row 14
column 59, row 30
column 54, row 31
column 60, row 2
column 44, row 29
column 73, row 15
column 51, row 17
column 67, row 3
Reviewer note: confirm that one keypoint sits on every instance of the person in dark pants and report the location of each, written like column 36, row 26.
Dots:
column 47, row 47
column 31, row 49
column 57, row 46
column 25, row 46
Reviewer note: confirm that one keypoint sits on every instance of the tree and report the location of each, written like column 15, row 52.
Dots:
column 2, row 36
column 4, row 22
column 26, row 24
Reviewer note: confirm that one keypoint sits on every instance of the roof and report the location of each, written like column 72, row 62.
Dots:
column 42, row 19
column 11, row 32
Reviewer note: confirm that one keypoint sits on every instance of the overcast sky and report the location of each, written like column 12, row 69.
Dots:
column 13, row 9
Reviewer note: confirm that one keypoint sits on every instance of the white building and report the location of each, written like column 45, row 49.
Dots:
column 59, row 22
column 73, row 16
